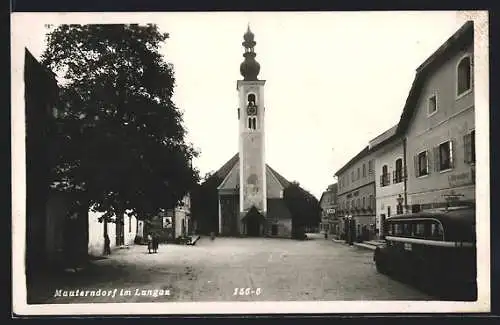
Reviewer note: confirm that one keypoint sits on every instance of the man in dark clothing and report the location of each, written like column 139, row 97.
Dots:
column 155, row 243
column 107, row 248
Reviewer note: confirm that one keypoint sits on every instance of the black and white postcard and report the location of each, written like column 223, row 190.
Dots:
column 250, row 162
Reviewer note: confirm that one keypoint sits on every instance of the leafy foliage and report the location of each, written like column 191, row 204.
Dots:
column 303, row 206
column 204, row 204
column 118, row 140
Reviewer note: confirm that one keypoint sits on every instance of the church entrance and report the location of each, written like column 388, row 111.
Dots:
column 253, row 220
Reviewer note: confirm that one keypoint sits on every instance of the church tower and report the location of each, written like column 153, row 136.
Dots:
column 251, row 116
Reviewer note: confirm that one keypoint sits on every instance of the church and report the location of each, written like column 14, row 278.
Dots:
column 250, row 196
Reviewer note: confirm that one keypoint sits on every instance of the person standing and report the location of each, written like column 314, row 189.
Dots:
column 155, row 243
column 107, row 247
column 150, row 243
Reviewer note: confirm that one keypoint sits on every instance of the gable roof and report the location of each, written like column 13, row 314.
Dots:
column 282, row 180
column 366, row 150
column 462, row 38
column 226, row 168
column 224, row 171
column 383, row 138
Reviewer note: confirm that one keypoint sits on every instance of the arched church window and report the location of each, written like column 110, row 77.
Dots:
column 254, row 123
column 249, row 122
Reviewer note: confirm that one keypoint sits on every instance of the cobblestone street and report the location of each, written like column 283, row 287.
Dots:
column 273, row 269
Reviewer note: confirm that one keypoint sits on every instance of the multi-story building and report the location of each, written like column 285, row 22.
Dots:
column 356, row 193
column 170, row 224
column 390, row 176
column 438, row 126
column 328, row 203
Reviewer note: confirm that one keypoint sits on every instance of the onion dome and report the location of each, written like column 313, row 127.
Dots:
column 249, row 68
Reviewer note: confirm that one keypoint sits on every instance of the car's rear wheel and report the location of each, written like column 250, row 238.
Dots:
column 379, row 262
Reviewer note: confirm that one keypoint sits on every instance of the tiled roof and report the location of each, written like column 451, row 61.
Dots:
column 462, row 38
column 351, row 162
column 384, row 137
column 229, row 165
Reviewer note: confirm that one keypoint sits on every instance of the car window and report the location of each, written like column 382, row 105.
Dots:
column 437, row 231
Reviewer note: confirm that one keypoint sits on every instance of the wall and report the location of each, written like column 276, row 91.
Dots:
column 57, row 208
column 96, row 233
column 454, row 118
column 386, row 196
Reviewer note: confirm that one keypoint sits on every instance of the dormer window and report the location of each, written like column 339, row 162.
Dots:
column 464, row 76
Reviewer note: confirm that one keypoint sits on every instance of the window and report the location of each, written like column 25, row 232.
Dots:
column 352, row 176
column 370, row 202
column 470, row 147
column 398, row 229
column 432, row 105
column 370, row 167
column 398, row 173
column 464, row 75
column 418, row 230
column 364, row 203
column 384, row 178
column 364, row 170
column 436, row 231
column 357, row 203
column 444, row 156
column 422, row 164
column 252, row 123
column 251, row 99
column 358, row 174
column 406, row 229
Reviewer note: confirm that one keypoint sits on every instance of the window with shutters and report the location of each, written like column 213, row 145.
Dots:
column 470, row 148
column 422, row 164
column 370, row 167
column 445, row 156
column 364, row 203
column 398, row 173
column 384, row 178
column 464, row 76
column 358, row 174
column 364, row 170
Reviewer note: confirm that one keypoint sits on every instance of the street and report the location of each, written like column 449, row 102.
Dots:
column 223, row 269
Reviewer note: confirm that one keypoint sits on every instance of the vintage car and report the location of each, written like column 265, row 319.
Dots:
column 435, row 250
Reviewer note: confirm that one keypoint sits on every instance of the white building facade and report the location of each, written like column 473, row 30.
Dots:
column 439, row 125
column 390, row 176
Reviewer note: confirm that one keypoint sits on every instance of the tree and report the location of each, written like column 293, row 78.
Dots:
column 205, row 204
column 119, row 140
column 303, row 206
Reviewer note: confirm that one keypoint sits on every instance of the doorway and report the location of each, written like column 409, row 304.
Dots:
column 274, row 230
column 253, row 219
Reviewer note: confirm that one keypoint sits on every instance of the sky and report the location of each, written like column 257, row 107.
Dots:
column 334, row 80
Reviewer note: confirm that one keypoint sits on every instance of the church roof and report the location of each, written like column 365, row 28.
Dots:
column 230, row 174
